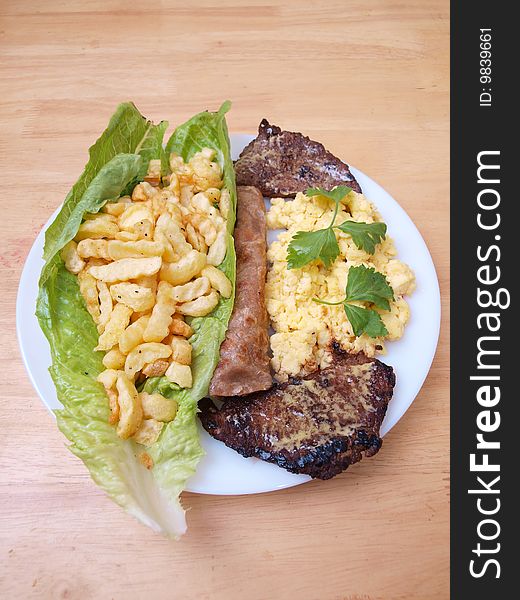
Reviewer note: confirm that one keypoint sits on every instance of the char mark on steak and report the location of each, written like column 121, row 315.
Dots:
column 282, row 163
column 318, row 425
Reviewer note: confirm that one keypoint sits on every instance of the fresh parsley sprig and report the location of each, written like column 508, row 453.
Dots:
column 366, row 236
column 307, row 246
column 365, row 284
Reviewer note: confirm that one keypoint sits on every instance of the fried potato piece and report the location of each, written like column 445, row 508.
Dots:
column 180, row 168
column 131, row 412
column 158, row 326
column 179, row 374
column 213, row 195
column 126, row 268
column 156, row 369
column 181, row 350
column 132, row 336
column 71, row 257
column 113, row 405
column 144, row 229
column 179, row 327
column 225, row 203
column 118, row 249
column 89, row 291
column 196, row 239
column 127, row 236
column 218, row 280
column 160, row 203
column 201, row 202
column 167, row 228
column 105, row 305
column 133, row 214
column 144, row 354
column 172, row 183
column 99, row 226
column 114, row 359
column 108, row 378
column 149, row 432
column 190, row 291
column 117, row 208
column 201, row 306
column 186, row 193
column 174, row 209
column 188, row 267
column 169, row 254
column 217, row 250
column 156, row 406
column 90, row 248
column 205, row 226
column 95, row 262
column 207, row 174
column 119, row 320
column 137, row 297
column 144, row 191
column 149, row 282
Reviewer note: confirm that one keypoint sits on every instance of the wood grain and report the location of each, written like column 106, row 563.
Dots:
column 369, row 80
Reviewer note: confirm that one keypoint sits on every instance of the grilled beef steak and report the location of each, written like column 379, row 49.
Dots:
column 282, row 163
column 318, row 425
column 244, row 360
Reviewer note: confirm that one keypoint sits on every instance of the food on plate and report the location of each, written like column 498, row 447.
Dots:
column 134, row 299
column 154, row 274
column 150, row 304
column 282, row 163
column 152, row 251
column 304, row 326
column 244, row 360
column 318, row 425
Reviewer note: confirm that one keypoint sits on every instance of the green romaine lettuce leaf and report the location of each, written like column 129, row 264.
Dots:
column 128, row 132
column 117, row 161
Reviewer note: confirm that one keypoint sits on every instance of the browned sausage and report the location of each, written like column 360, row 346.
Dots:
column 244, row 359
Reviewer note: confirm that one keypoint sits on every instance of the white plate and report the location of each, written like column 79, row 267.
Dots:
column 223, row 471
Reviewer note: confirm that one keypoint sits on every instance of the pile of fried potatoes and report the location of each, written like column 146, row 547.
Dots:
column 143, row 264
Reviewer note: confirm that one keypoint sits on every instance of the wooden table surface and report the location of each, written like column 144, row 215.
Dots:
column 370, row 80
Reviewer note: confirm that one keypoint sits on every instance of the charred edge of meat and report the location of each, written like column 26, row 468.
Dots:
column 325, row 461
column 265, row 128
column 263, row 424
column 283, row 163
column 321, row 462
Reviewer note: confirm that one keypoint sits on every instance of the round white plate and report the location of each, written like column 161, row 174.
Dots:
column 223, row 471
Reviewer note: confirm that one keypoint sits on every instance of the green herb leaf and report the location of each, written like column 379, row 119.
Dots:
column 336, row 194
column 307, row 246
column 365, row 235
column 365, row 320
column 367, row 285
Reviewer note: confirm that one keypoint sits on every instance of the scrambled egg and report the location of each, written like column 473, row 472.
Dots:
column 303, row 328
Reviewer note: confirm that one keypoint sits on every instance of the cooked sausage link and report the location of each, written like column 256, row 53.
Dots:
column 244, row 358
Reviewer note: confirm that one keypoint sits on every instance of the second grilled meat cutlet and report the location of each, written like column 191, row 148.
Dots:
column 318, row 425
column 282, row 163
